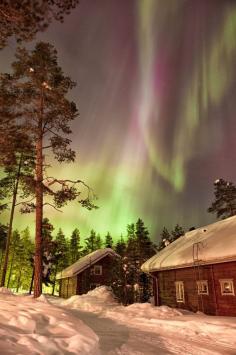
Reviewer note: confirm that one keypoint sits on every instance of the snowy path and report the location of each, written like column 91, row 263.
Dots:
column 118, row 339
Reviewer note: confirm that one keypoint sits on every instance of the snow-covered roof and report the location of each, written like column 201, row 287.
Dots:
column 211, row 244
column 85, row 262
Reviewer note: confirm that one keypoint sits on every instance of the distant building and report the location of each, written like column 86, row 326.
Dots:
column 198, row 271
column 87, row 273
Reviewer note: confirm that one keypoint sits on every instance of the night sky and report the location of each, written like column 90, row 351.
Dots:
column 157, row 100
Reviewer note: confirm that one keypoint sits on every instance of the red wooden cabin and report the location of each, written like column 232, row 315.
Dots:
column 87, row 273
column 198, row 271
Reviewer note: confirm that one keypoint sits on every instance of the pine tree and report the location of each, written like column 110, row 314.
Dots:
column 108, row 241
column 45, row 114
column 23, row 19
column 224, row 204
column 75, row 246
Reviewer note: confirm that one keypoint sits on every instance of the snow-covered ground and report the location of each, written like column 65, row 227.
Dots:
column 181, row 331
column 29, row 326
column 96, row 324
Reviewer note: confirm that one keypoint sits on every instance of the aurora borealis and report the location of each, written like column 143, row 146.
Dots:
column 156, row 96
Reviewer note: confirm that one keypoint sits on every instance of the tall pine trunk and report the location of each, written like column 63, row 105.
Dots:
column 39, row 203
column 31, row 282
column 11, row 265
column 18, row 280
column 54, row 281
column 9, row 232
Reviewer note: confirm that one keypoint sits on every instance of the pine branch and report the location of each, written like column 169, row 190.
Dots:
column 49, row 204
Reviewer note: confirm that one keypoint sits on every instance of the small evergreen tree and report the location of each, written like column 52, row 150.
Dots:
column 75, row 247
column 108, row 241
column 224, row 205
column 165, row 239
column 120, row 247
column 63, row 250
column 177, row 232
column 90, row 243
column 98, row 242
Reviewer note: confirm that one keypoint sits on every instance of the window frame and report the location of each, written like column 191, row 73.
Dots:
column 98, row 267
column 200, row 290
column 179, row 291
column 231, row 282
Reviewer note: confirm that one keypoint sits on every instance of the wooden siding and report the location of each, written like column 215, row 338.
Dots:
column 82, row 282
column 68, row 287
column 214, row 303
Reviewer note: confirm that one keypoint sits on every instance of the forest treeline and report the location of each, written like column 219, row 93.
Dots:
column 60, row 251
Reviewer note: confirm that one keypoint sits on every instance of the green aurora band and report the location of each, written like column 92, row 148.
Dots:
column 155, row 98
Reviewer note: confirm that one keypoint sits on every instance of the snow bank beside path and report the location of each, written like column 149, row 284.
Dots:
column 95, row 301
column 29, row 326
column 160, row 320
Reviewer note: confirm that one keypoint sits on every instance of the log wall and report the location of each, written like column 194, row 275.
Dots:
column 214, row 303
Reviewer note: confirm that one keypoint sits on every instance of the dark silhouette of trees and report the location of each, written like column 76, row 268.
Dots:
column 24, row 18
column 224, row 204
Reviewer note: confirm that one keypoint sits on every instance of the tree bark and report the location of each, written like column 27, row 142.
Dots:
column 39, row 204
column 9, row 232
column 54, row 282
column 11, row 265
column 32, row 282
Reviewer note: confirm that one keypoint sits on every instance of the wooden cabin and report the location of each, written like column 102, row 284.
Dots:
column 90, row 271
column 198, row 271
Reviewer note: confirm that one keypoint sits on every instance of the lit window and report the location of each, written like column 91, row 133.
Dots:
column 179, row 287
column 96, row 270
column 227, row 286
column 202, row 287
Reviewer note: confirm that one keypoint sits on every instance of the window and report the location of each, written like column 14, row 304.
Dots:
column 202, row 287
column 96, row 270
column 179, row 287
column 227, row 286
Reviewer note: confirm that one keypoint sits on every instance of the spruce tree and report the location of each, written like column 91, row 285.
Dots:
column 90, row 243
column 75, row 247
column 120, row 247
column 165, row 239
column 224, row 205
column 108, row 241
column 63, row 250
column 98, row 242
column 177, row 232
